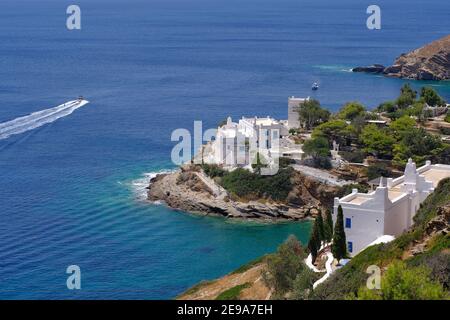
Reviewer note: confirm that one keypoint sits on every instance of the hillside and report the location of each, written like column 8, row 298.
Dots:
column 423, row 250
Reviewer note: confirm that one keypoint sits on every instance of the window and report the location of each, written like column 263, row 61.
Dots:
column 350, row 246
column 274, row 134
column 348, row 223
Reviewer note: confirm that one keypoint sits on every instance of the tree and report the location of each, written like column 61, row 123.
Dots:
column 320, row 227
column 328, row 226
column 285, row 265
column 402, row 125
column 388, row 106
column 377, row 141
column 314, row 241
column 351, row 110
column 303, row 284
column 431, row 97
column 334, row 130
column 319, row 150
column 310, row 113
column 407, row 96
column 419, row 145
column 339, row 246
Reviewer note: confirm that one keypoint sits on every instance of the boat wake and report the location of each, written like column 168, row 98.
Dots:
column 39, row 118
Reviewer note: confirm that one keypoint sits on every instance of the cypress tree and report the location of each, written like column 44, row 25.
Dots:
column 314, row 242
column 321, row 228
column 339, row 247
column 328, row 226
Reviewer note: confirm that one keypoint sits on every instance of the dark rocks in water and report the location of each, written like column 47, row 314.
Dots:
column 375, row 68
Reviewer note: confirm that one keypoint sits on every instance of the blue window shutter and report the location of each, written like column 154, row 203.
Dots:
column 348, row 223
column 350, row 246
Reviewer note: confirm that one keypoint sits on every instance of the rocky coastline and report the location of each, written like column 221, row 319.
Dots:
column 430, row 62
column 190, row 190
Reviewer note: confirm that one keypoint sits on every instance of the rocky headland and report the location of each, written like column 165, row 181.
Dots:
column 190, row 189
column 430, row 62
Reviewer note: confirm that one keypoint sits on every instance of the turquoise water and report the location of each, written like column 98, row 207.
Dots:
column 71, row 191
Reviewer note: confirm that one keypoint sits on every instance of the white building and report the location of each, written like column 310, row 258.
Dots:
column 293, row 104
column 234, row 142
column 389, row 210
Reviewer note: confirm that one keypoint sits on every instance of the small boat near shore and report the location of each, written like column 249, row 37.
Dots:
column 315, row 86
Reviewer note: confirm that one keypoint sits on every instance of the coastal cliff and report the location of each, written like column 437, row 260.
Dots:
column 189, row 189
column 430, row 62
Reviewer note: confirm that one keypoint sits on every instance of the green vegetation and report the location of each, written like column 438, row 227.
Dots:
column 314, row 241
column 213, row 170
column 417, row 144
column 356, row 156
column 232, row 293
column 447, row 117
column 310, row 114
column 339, row 245
column 403, row 283
column 408, row 104
column 351, row 110
column 377, row 141
column 431, row 97
column 252, row 186
column 407, row 96
column 318, row 235
column 378, row 170
column 402, row 125
column 335, row 130
column 318, row 149
column 328, row 226
column 287, row 272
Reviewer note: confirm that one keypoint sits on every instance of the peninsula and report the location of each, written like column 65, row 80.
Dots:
column 430, row 62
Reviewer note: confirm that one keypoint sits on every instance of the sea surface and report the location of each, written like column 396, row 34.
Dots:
column 72, row 183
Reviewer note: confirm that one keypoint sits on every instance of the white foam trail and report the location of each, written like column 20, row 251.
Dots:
column 39, row 118
column 139, row 186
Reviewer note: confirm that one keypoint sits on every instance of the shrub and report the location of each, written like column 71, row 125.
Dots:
column 284, row 265
column 378, row 170
column 213, row 170
column 402, row 283
column 248, row 185
column 355, row 156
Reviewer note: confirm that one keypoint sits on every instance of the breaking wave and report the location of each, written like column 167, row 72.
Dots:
column 38, row 118
column 139, row 186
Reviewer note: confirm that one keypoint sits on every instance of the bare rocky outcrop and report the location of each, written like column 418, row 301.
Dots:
column 189, row 189
column 436, row 226
column 430, row 62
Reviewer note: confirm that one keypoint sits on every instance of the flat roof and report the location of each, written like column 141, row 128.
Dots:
column 435, row 175
column 394, row 194
column 358, row 200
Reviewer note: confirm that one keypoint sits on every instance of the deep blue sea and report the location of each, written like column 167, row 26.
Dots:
column 71, row 190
